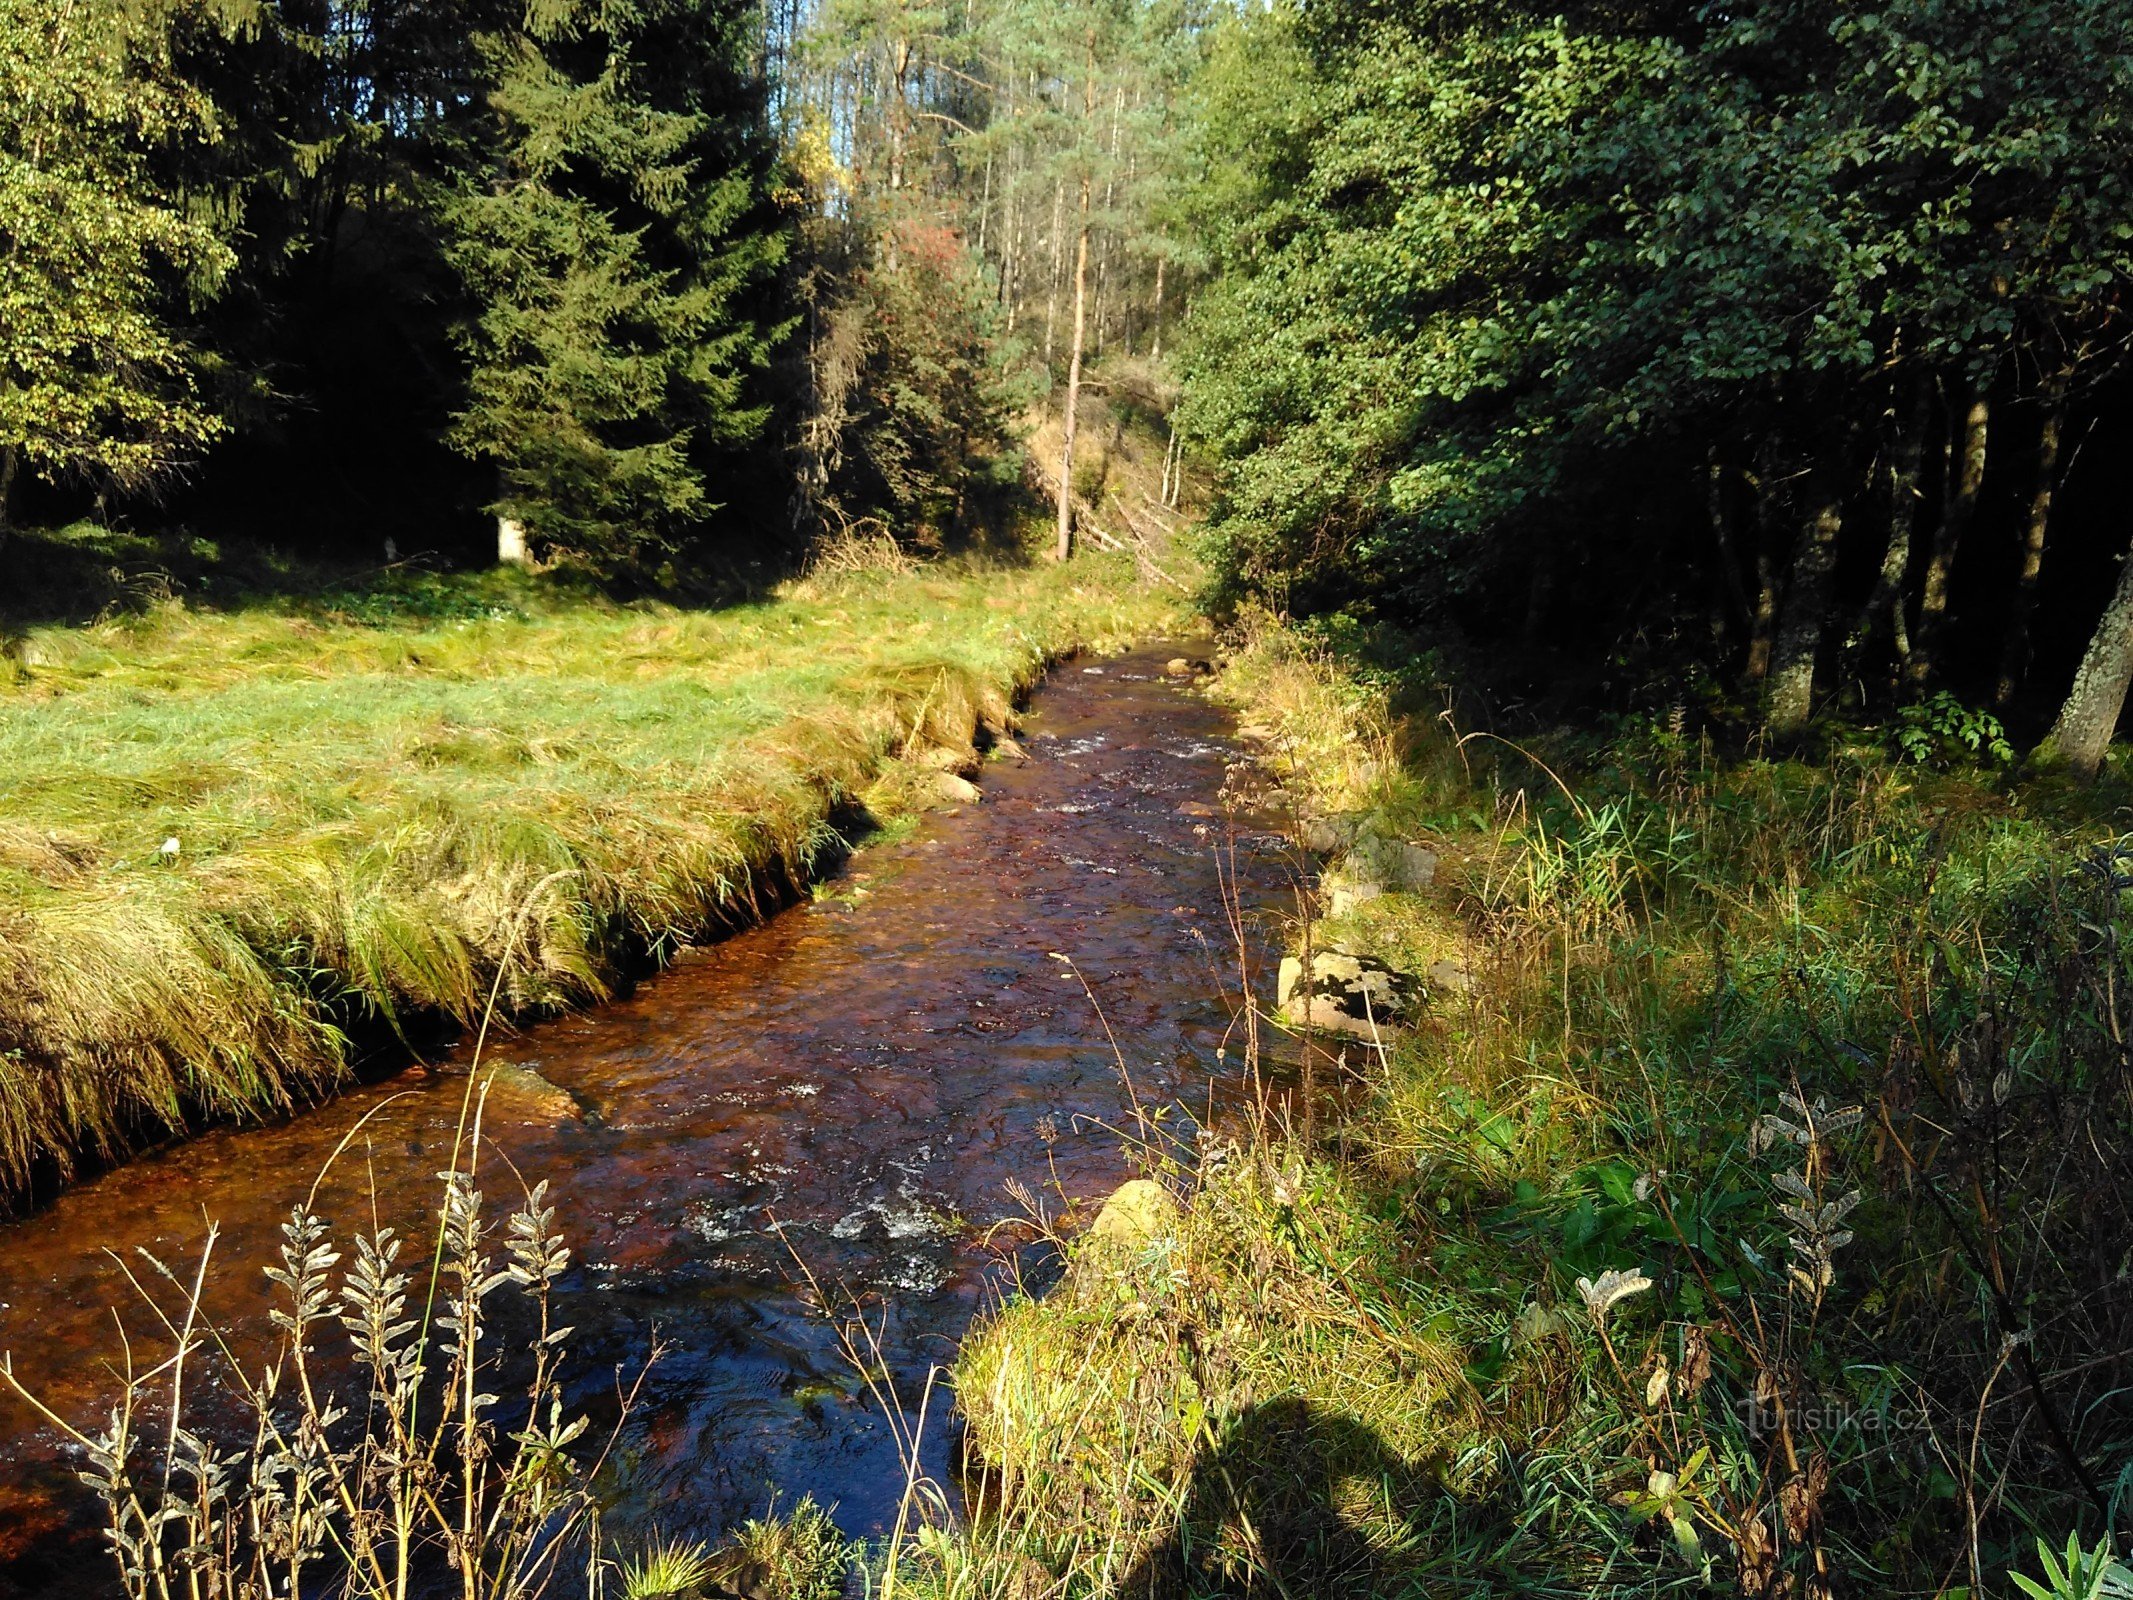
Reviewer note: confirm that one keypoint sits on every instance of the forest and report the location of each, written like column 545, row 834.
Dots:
column 1750, row 360
column 495, row 495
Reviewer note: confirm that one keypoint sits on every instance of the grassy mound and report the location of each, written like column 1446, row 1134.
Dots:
column 227, row 836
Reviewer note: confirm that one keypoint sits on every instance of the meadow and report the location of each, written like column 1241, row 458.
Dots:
column 244, row 844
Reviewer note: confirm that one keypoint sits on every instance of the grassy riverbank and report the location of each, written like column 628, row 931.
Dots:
column 231, row 837
column 1749, row 1208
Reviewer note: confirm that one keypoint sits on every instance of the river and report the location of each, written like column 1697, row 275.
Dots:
column 851, row 1085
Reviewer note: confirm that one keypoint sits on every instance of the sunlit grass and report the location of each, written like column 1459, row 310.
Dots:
column 1364, row 1358
column 226, row 834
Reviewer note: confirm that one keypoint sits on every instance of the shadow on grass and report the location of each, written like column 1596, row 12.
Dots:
column 1266, row 1514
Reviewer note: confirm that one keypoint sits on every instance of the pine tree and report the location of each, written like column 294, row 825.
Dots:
column 615, row 241
column 94, row 380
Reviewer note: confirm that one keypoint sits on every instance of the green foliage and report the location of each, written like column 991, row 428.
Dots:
column 2085, row 1574
column 1509, row 306
column 668, row 1569
column 923, row 426
column 610, row 225
column 1940, row 730
column 800, row 1555
column 96, row 260
column 1729, row 1070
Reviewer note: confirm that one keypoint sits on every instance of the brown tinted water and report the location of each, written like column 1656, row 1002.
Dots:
column 854, row 1084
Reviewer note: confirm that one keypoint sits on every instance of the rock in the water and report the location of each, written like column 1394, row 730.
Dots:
column 956, row 791
column 1187, row 667
column 1345, row 994
column 523, row 1091
column 1007, row 749
column 1196, row 808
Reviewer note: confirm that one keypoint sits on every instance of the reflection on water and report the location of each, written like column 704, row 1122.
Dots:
column 853, row 1084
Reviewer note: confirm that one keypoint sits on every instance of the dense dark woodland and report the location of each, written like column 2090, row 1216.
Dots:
column 1730, row 403
column 1733, row 353
column 1749, row 357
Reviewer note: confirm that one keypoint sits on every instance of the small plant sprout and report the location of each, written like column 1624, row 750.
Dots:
column 667, row 1568
column 1601, row 1295
column 1813, row 1219
column 2083, row 1575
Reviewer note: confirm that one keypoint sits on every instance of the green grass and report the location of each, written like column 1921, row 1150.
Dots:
column 386, row 801
column 1361, row 1361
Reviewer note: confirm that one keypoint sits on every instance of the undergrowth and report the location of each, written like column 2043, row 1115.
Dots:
column 232, row 841
column 1748, row 1210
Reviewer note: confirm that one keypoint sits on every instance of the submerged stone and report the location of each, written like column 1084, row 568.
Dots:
column 955, row 790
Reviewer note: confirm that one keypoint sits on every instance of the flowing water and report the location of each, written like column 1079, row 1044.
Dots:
column 852, row 1085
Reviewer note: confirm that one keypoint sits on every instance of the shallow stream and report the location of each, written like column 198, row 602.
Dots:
column 852, row 1086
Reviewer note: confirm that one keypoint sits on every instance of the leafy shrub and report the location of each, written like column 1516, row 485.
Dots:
column 1941, row 731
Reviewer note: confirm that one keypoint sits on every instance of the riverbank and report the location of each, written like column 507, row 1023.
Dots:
column 1745, row 1207
column 237, row 844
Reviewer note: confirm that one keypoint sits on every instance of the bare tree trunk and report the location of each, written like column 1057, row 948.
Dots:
column 899, row 113
column 10, row 463
column 1790, row 697
column 1762, row 622
column 2014, row 653
column 1157, row 317
column 1906, row 451
column 1065, row 545
column 1051, row 300
column 1728, row 599
column 1957, row 512
column 2082, row 734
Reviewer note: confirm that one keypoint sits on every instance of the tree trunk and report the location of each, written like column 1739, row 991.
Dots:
column 2014, row 653
column 1065, row 546
column 1157, row 318
column 1907, row 450
column 1051, row 299
column 511, row 550
column 1762, row 622
column 9, row 462
column 1958, row 510
column 2086, row 722
column 1540, row 595
column 1729, row 601
column 1790, row 697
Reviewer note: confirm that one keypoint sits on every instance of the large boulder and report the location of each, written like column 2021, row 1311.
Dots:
column 1343, row 993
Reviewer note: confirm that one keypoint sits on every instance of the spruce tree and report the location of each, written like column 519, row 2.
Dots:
column 615, row 239
column 94, row 380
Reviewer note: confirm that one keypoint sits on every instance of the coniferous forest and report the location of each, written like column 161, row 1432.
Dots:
column 1758, row 356
column 1635, row 501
